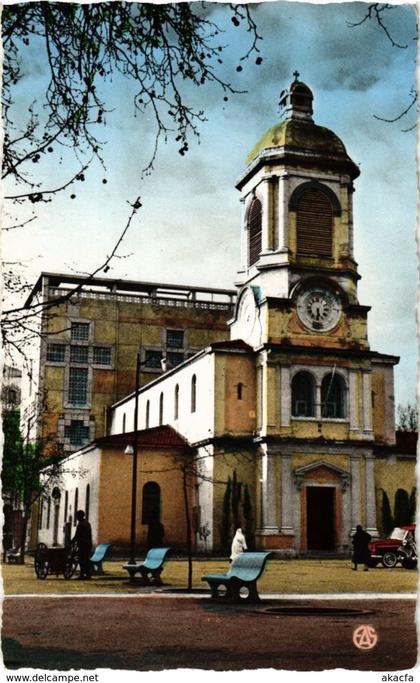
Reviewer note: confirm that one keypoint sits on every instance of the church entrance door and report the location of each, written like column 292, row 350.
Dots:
column 320, row 516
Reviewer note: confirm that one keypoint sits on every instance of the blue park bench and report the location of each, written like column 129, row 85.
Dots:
column 151, row 569
column 240, row 582
column 98, row 557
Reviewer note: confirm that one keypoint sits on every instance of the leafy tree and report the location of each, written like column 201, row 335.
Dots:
column 158, row 48
column 407, row 417
column 27, row 473
column 401, row 508
column 387, row 519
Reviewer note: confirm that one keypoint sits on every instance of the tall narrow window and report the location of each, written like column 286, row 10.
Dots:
column 66, row 505
column 176, row 402
column 254, row 231
column 78, row 383
column 333, row 396
column 76, row 503
column 123, row 423
column 87, row 501
column 239, row 391
column 303, row 395
column 48, row 511
column 161, row 410
column 150, row 508
column 314, row 224
column 193, row 394
column 147, row 414
column 41, row 514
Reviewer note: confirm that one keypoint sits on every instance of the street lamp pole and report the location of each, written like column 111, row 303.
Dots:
column 134, row 472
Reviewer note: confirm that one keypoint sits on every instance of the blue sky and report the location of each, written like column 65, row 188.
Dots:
column 188, row 229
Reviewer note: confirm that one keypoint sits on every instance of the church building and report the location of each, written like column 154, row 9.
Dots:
column 296, row 410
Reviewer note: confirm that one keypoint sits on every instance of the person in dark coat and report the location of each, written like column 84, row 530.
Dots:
column 83, row 538
column 361, row 553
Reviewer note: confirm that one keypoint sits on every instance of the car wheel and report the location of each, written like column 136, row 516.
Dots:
column 389, row 559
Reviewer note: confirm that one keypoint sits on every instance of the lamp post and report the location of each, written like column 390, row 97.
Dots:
column 133, row 450
column 132, row 559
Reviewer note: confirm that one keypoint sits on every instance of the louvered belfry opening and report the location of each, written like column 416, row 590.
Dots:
column 314, row 224
column 254, row 231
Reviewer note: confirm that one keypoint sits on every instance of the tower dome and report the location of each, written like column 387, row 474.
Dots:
column 298, row 140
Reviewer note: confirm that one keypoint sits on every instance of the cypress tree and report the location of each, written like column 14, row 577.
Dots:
column 248, row 518
column 412, row 505
column 401, row 508
column 236, row 499
column 225, row 531
column 387, row 519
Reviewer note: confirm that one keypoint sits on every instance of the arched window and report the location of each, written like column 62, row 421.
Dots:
column 193, row 394
column 254, row 224
column 314, row 223
column 147, row 414
column 41, row 514
column 333, row 396
column 161, row 409
column 87, row 501
column 48, row 511
column 123, row 423
column 239, row 391
column 66, row 505
column 150, row 509
column 76, row 503
column 303, row 395
column 56, row 499
column 176, row 402
column 12, row 396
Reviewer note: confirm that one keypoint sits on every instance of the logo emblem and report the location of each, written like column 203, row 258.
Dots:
column 365, row 637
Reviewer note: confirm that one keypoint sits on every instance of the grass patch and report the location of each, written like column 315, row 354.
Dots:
column 283, row 576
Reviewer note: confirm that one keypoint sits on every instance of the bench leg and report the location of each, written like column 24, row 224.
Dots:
column 251, row 593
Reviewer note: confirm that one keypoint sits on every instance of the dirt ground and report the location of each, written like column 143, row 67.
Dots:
column 141, row 633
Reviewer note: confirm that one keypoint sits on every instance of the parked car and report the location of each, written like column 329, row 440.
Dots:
column 385, row 549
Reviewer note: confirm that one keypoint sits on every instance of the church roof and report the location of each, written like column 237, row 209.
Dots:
column 302, row 135
column 156, row 437
column 231, row 344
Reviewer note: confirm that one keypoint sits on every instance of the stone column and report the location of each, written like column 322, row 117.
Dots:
column 367, row 400
column 265, row 194
column 370, row 520
column 353, row 400
column 205, row 462
column 244, row 236
column 286, row 496
column 285, row 396
column 355, row 491
column 283, row 215
column 268, row 492
column 350, row 219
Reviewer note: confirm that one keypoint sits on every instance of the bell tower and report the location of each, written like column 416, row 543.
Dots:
column 298, row 275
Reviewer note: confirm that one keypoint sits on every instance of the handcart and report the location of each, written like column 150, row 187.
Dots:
column 55, row 561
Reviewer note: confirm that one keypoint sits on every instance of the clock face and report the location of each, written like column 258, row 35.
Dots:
column 319, row 309
column 247, row 312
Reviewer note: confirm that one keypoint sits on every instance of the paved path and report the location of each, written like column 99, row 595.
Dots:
column 162, row 631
